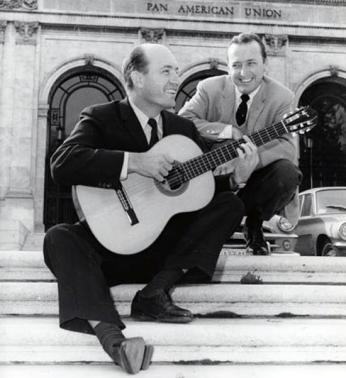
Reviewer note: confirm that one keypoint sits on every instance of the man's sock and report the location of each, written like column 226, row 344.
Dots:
column 110, row 336
column 163, row 280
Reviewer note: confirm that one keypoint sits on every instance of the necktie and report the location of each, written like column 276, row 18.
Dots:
column 242, row 109
column 153, row 136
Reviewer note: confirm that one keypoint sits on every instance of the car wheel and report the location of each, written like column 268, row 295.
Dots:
column 328, row 250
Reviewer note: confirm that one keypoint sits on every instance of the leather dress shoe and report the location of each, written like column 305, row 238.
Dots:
column 159, row 307
column 133, row 355
column 255, row 242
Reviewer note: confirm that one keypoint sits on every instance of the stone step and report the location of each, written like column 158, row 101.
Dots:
column 33, row 241
column 40, row 341
column 177, row 371
column 204, row 300
column 29, row 266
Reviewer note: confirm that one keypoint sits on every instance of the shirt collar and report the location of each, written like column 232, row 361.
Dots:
column 251, row 95
column 143, row 118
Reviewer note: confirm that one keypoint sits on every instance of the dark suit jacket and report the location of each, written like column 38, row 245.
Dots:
column 94, row 152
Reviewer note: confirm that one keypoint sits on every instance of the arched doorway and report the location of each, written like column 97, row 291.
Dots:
column 188, row 87
column 323, row 150
column 73, row 91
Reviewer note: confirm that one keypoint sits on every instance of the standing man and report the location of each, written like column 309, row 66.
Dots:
column 110, row 142
column 241, row 103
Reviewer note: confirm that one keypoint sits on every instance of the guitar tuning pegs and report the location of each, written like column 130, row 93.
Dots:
column 301, row 132
column 294, row 134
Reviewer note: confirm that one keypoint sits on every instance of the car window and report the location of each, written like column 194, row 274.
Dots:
column 301, row 199
column 331, row 201
column 307, row 206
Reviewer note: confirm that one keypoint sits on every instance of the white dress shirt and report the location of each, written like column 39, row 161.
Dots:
column 226, row 133
column 143, row 120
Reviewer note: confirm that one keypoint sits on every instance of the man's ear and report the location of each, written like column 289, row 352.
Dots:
column 137, row 79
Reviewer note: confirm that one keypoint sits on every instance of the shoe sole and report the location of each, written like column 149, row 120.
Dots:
column 146, row 318
column 132, row 353
column 148, row 355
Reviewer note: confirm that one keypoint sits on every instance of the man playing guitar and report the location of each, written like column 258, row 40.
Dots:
column 110, row 143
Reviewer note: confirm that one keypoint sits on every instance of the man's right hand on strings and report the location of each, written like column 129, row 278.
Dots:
column 150, row 164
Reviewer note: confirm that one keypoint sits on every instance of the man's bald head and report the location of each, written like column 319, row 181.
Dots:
column 139, row 59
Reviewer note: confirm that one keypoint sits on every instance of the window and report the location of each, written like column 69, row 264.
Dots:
column 188, row 87
column 307, row 206
column 74, row 91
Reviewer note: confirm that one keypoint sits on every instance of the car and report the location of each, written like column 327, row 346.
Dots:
column 278, row 233
column 321, row 226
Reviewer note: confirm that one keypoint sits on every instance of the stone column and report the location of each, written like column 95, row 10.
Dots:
column 7, row 44
column 276, row 47
column 40, row 167
column 24, row 108
column 18, row 108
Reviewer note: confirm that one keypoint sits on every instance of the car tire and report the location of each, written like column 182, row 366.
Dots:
column 328, row 249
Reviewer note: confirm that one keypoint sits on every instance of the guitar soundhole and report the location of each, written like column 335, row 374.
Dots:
column 174, row 184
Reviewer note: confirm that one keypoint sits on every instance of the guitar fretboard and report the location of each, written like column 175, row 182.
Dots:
column 212, row 159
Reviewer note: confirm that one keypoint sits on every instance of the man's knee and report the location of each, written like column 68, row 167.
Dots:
column 54, row 236
column 231, row 203
column 286, row 175
column 55, row 233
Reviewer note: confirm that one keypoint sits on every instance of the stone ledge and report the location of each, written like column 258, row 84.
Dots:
column 29, row 266
column 213, row 301
column 213, row 340
column 198, row 370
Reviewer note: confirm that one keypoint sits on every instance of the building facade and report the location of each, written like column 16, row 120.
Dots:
column 58, row 56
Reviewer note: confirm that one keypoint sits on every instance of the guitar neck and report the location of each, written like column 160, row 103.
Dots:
column 212, row 159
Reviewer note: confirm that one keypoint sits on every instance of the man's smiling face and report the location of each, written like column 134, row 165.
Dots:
column 246, row 66
column 161, row 81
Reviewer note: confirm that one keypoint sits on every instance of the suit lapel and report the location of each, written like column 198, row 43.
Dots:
column 169, row 127
column 227, row 106
column 132, row 125
column 257, row 107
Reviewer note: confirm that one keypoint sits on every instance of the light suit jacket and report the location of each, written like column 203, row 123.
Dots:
column 213, row 107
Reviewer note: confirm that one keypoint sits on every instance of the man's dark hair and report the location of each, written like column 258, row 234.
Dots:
column 137, row 61
column 247, row 38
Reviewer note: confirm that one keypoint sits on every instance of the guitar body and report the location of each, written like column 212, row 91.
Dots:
column 154, row 204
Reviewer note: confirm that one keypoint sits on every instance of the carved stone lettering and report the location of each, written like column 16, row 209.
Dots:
column 262, row 13
column 157, row 7
column 205, row 10
column 224, row 9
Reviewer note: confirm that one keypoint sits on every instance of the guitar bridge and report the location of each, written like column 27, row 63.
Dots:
column 126, row 204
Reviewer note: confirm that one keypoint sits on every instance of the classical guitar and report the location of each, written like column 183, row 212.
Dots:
column 129, row 218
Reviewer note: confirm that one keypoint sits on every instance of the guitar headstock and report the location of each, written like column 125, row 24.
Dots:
column 301, row 120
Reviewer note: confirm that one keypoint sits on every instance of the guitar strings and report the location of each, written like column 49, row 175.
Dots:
column 189, row 169
column 211, row 159
column 208, row 161
column 220, row 155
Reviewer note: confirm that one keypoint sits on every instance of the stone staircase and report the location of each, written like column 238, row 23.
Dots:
column 292, row 325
